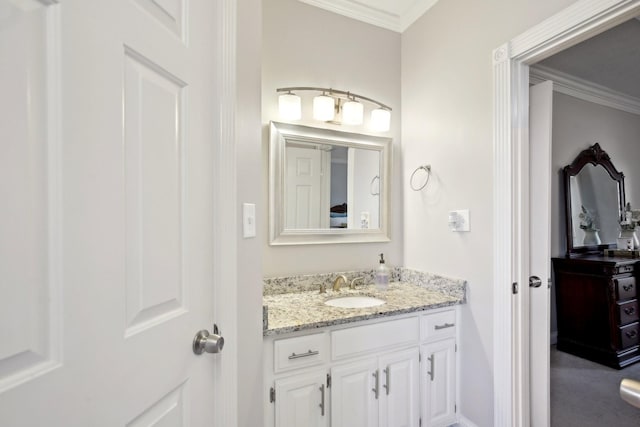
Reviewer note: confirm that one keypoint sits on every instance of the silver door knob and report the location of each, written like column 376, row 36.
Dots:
column 208, row 342
column 535, row 282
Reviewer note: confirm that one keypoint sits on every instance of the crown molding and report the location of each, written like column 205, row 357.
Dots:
column 584, row 89
column 397, row 22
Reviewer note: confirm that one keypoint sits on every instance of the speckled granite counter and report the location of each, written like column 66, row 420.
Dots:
column 305, row 309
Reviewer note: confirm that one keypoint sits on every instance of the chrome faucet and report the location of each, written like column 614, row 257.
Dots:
column 337, row 284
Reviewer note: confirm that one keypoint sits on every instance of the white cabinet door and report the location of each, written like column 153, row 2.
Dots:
column 301, row 400
column 438, row 383
column 354, row 390
column 399, row 392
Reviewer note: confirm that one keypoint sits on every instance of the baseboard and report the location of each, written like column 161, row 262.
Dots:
column 464, row 422
column 554, row 337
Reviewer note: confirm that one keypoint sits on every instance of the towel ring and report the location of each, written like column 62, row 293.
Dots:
column 427, row 169
column 372, row 189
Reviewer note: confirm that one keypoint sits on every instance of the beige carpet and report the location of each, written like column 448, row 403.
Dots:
column 586, row 394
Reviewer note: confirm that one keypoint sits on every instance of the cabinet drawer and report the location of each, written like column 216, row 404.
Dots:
column 629, row 335
column 374, row 337
column 438, row 325
column 627, row 312
column 299, row 352
column 625, row 287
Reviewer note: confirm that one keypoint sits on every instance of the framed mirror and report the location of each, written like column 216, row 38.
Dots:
column 327, row 186
column 594, row 201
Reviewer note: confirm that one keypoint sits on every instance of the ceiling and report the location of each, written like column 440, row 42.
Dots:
column 610, row 59
column 395, row 15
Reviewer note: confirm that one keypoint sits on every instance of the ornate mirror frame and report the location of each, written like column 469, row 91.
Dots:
column 595, row 156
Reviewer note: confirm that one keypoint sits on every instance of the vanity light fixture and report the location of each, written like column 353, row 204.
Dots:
column 335, row 106
column 290, row 106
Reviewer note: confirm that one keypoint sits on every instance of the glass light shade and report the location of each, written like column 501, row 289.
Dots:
column 323, row 108
column 290, row 106
column 352, row 113
column 380, row 120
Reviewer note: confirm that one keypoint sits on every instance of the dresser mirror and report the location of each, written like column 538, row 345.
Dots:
column 594, row 201
column 327, row 186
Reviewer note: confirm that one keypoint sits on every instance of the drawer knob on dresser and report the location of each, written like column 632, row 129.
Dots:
column 629, row 311
column 631, row 334
column 627, row 288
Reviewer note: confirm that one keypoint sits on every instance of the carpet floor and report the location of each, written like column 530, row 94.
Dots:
column 586, row 394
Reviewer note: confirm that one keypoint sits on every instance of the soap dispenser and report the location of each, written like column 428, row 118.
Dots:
column 382, row 275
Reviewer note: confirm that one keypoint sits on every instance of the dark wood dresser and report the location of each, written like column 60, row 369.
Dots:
column 597, row 307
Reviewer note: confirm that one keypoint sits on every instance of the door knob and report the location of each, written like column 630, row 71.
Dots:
column 208, row 342
column 535, row 282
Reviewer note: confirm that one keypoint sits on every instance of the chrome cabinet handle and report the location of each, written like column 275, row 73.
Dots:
column 387, row 386
column 307, row 354
column 322, row 400
column 377, row 384
column 431, row 367
column 446, row 325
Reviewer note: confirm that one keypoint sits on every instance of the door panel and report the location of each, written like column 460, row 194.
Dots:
column 353, row 395
column 540, row 121
column 107, row 244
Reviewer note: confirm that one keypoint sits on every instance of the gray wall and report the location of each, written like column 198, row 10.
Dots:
column 447, row 104
column 577, row 125
column 307, row 46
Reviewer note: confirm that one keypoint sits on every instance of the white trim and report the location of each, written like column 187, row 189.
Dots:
column 397, row 22
column 578, row 22
column 225, row 221
column 584, row 89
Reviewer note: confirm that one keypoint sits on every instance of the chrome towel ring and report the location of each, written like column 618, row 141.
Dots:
column 427, row 169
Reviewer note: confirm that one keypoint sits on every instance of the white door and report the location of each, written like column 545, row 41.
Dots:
column 106, row 234
column 540, row 120
column 301, row 400
column 304, row 189
column 400, row 390
column 355, row 388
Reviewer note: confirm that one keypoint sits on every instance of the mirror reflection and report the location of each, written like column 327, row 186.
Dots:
column 327, row 185
column 595, row 203
column 331, row 186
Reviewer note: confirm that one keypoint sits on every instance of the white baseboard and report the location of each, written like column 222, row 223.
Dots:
column 554, row 337
column 464, row 422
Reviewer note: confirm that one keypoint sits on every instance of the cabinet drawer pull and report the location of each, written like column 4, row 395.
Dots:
column 631, row 334
column 307, row 354
column 387, row 386
column 446, row 325
column 376, row 389
column 629, row 311
column 432, row 362
column 627, row 288
column 322, row 400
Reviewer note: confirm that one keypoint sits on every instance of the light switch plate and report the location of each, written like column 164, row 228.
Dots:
column 459, row 220
column 248, row 220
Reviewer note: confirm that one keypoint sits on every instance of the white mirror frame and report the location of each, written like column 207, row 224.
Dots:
column 278, row 136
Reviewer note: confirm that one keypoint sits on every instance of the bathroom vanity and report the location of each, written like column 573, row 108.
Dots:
column 393, row 364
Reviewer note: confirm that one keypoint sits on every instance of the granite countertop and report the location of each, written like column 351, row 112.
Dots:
column 296, row 311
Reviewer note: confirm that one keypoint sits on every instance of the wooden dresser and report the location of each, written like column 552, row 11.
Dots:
column 597, row 307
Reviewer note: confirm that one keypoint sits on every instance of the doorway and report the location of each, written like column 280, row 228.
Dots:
column 579, row 22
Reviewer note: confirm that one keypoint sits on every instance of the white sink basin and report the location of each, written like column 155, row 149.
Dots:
column 355, row 301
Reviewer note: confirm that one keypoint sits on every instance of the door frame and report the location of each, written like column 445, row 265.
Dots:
column 225, row 223
column 511, row 62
